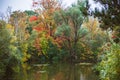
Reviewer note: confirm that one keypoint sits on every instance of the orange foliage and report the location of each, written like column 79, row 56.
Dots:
column 59, row 41
column 38, row 29
column 33, row 18
column 47, row 23
column 47, row 12
column 36, row 44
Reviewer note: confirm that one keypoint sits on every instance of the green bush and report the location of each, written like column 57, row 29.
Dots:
column 109, row 67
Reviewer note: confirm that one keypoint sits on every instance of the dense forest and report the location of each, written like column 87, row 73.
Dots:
column 52, row 33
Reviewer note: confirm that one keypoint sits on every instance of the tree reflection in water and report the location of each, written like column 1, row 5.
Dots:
column 57, row 72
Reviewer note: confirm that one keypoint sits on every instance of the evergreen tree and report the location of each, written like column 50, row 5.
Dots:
column 109, row 15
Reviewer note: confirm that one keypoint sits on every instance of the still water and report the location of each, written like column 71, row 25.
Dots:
column 56, row 72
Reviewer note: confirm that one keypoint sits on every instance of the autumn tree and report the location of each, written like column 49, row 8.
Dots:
column 18, row 20
column 46, row 9
column 45, row 24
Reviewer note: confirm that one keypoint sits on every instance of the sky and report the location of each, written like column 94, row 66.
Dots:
column 15, row 4
column 26, row 4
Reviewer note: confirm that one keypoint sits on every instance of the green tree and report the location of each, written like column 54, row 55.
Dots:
column 8, row 59
column 30, row 12
column 69, row 28
column 96, row 37
column 4, row 48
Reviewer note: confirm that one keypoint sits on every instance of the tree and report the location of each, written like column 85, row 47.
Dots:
column 45, row 24
column 4, row 48
column 8, row 51
column 69, row 28
column 18, row 21
column 30, row 12
column 109, row 66
column 95, row 39
column 46, row 9
column 109, row 15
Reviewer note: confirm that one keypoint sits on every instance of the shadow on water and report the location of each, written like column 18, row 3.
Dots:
column 56, row 72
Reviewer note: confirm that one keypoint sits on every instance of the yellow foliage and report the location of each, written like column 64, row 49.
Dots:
column 26, row 66
column 24, row 59
column 14, row 38
column 28, row 55
column 10, row 28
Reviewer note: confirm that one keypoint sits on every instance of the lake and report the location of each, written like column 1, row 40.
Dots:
column 55, row 72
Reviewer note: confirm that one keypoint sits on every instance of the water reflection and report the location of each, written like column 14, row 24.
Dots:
column 57, row 72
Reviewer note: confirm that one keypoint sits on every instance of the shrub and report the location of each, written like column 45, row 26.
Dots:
column 109, row 67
